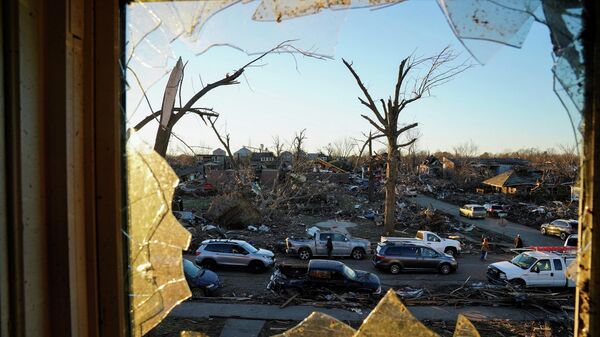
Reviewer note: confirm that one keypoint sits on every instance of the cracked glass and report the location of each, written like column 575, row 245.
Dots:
column 155, row 238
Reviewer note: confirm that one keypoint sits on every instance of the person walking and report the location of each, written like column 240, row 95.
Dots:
column 518, row 241
column 485, row 247
column 329, row 247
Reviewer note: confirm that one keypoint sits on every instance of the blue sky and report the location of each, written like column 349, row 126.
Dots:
column 506, row 104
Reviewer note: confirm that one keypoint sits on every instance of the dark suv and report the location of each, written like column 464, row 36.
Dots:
column 396, row 257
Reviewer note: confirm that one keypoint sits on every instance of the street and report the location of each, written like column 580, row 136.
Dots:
column 240, row 281
column 531, row 236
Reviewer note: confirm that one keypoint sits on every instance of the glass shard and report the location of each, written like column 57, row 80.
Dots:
column 155, row 238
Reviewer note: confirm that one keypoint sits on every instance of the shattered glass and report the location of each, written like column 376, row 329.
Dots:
column 389, row 318
column 482, row 26
column 155, row 238
column 319, row 325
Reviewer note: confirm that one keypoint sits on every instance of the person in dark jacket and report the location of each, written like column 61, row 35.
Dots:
column 329, row 247
column 518, row 241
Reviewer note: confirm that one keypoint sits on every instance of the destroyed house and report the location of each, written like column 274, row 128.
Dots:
column 190, row 172
column 499, row 165
column 514, row 181
column 263, row 160
column 286, row 157
column 435, row 167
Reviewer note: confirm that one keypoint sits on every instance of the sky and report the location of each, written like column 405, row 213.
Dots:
column 504, row 105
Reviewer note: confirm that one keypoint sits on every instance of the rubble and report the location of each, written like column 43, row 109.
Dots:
column 233, row 211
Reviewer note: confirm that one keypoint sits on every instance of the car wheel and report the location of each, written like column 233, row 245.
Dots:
column 563, row 235
column 358, row 253
column 451, row 250
column 256, row 266
column 518, row 284
column 304, row 254
column 543, row 231
column 395, row 269
column 445, row 269
column 208, row 264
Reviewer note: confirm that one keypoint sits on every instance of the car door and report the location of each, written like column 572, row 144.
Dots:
column 434, row 242
column 341, row 245
column 545, row 276
column 560, row 275
column 321, row 244
column 239, row 255
column 554, row 227
column 410, row 257
column 225, row 255
column 429, row 258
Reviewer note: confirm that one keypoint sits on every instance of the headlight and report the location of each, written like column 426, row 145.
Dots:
column 210, row 286
column 502, row 276
column 378, row 291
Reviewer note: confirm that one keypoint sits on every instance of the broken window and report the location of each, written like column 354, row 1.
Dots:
column 157, row 29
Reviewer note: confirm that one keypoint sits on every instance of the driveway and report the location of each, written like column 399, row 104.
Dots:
column 531, row 236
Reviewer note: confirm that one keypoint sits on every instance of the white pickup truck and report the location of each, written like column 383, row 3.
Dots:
column 430, row 239
column 533, row 269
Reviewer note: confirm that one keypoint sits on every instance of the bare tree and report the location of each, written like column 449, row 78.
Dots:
column 466, row 150
column 166, row 130
column 224, row 140
column 411, row 85
column 277, row 146
column 298, row 145
column 343, row 147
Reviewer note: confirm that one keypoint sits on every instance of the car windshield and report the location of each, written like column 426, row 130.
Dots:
column 250, row 248
column 496, row 207
column 523, row 261
column 350, row 273
column 479, row 209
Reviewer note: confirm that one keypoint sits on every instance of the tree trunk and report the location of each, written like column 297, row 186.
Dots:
column 371, row 177
column 390, row 186
column 163, row 135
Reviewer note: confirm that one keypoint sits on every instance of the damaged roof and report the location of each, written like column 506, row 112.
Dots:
column 513, row 178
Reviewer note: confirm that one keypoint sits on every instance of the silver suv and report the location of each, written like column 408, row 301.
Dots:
column 224, row 252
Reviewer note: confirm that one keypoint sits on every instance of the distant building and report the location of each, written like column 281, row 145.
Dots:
column 242, row 153
column 498, row 165
column 190, row 172
column 438, row 168
column 286, row 157
column 219, row 152
column 514, row 181
column 263, row 160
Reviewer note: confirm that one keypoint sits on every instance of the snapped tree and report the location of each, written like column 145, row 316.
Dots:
column 166, row 123
column 416, row 78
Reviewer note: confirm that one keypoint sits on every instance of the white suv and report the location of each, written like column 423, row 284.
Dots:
column 225, row 252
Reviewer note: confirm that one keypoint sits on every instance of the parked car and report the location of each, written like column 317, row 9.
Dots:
column 533, row 269
column 225, row 252
column 329, row 274
column 572, row 240
column 560, row 227
column 495, row 210
column 316, row 245
column 202, row 278
column 399, row 256
column 473, row 211
column 429, row 239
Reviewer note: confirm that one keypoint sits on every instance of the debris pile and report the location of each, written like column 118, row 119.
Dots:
column 233, row 211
